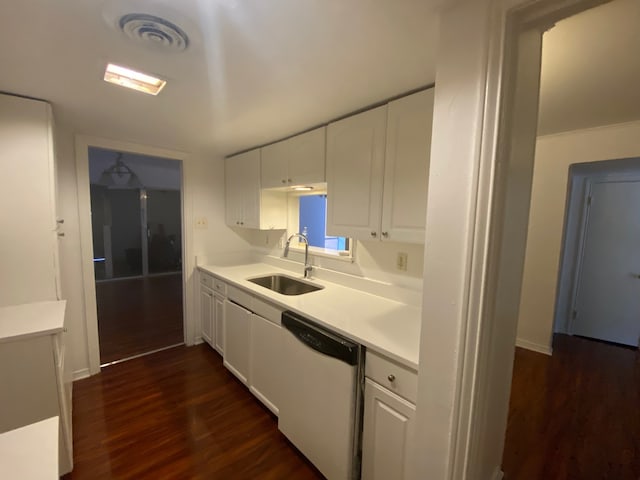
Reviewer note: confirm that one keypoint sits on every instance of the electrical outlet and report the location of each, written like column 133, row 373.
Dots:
column 201, row 222
column 401, row 261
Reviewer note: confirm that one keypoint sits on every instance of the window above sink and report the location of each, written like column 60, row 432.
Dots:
column 308, row 215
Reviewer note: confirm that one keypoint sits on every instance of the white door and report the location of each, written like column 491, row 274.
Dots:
column 608, row 299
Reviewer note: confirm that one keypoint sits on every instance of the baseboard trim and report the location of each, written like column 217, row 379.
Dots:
column 80, row 374
column 498, row 475
column 536, row 347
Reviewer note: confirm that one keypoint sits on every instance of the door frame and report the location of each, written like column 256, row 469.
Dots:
column 82, row 144
column 602, row 177
column 483, row 150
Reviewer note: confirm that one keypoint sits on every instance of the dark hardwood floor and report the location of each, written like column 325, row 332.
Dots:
column 576, row 414
column 138, row 315
column 177, row 414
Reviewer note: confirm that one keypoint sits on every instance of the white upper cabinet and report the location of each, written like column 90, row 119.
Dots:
column 297, row 160
column 406, row 170
column 246, row 205
column 355, row 168
column 377, row 171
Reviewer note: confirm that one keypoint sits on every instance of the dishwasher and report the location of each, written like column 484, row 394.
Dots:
column 320, row 409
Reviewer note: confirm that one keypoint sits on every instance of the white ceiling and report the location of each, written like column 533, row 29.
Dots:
column 591, row 69
column 259, row 70
column 255, row 71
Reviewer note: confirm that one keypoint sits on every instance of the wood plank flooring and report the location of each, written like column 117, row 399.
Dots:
column 576, row 414
column 138, row 315
column 177, row 414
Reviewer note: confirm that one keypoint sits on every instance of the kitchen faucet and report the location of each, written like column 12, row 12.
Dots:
column 307, row 268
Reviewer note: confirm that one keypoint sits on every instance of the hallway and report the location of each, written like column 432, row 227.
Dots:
column 576, row 414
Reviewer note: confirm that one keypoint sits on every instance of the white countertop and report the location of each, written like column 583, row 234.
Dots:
column 31, row 319
column 386, row 326
column 30, row 452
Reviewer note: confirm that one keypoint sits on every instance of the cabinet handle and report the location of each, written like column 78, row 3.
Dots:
column 374, row 234
column 61, row 234
column 60, row 221
column 391, row 377
column 289, row 180
column 241, row 223
column 284, row 181
column 385, row 234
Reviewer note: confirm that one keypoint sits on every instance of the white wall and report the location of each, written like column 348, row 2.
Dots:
column 554, row 155
column 372, row 260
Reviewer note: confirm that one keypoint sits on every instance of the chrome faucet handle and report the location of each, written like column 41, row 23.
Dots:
column 308, row 270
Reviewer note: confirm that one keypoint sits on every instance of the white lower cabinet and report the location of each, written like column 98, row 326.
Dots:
column 36, row 385
column 265, row 370
column 253, row 344
column 212, row 295
column 388, row 426
column 236, row 340
column 206, row 315
column 218, row 323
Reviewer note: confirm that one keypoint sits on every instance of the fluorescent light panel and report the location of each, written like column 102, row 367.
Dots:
column 126, row 77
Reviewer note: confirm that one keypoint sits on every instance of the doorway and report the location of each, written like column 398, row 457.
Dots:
column 137, row 244
column 598, row 280
column 572, row 410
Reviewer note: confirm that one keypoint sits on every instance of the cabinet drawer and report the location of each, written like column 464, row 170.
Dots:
column 219, row 286
column 397, row 378
column 206, row 279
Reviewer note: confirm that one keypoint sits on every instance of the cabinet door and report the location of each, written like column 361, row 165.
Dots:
column 27, row 191
column 306, row 158
column 355, row 167
column 218, row 323
column 233, row 191
column 274, row 169
column 236, row 340
column 206, row 315
column 266, row 354
column 409, row 122
column 250, row 185
column 388, row 428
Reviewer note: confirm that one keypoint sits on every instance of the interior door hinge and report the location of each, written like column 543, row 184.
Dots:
column 589, row 200
column 574, row 314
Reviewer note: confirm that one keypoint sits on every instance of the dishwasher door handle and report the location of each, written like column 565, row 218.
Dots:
column 321, row 340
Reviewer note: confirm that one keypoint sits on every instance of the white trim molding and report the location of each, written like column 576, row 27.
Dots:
column 484, row 132
column 82, row 145
column 534, row 347
column 80, row 374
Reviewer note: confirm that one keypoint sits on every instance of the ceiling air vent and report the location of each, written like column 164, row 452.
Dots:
column 154, row 31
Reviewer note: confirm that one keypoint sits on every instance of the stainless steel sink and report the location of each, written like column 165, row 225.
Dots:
column 285, row 285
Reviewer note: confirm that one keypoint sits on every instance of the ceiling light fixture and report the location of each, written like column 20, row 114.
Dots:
column 119, row 175
column 125, row 77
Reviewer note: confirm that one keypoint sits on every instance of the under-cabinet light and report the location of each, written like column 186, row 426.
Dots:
column 126, row 77
column 302, row 188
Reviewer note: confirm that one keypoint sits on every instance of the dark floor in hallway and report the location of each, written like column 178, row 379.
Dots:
column 576, row 414
column 138, row 315
column 177, row 414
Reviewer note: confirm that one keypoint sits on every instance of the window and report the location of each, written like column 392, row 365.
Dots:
column 311, row 219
